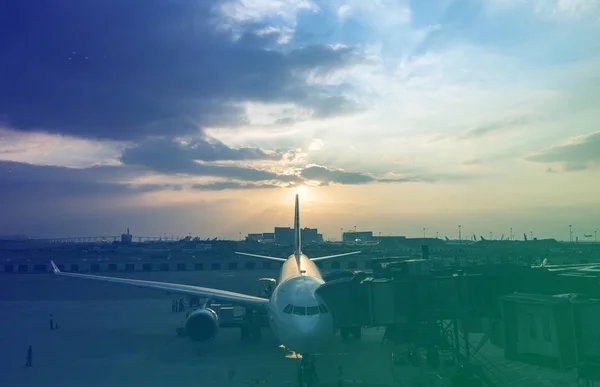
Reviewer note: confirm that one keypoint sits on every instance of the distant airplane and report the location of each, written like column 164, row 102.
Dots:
column 299, row 318
column 587, row 235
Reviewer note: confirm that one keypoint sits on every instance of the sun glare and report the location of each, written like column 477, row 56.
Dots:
column 302, row 191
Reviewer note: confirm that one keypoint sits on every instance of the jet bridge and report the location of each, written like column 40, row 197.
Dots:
column 406, row 294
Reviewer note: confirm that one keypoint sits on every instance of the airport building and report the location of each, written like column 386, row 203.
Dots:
column 126, row 238
column 261, row 237
column 285, row 236
column 351, row 236
column 255, row 237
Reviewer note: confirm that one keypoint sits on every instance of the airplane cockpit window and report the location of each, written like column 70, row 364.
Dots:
column 300, row 310
column 323, row 309
column 305, row 310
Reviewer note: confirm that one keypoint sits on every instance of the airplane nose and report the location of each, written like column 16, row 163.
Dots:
column 312, row 334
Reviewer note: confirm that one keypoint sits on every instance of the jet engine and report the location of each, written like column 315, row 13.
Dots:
column 202, row 325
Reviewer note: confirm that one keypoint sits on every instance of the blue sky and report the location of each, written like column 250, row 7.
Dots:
column 207, row 116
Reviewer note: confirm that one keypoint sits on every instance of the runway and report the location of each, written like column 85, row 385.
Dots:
column 114, row 335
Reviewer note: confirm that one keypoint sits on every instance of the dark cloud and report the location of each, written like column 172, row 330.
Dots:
column 202, row 149
column 128, row 69
column 575, row 156
column 15, row 172
column 220, row 186
column 21, row 179
column 496, row 126
column 170, row 157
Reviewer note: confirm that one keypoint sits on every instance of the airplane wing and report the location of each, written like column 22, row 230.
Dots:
column 262, row 256
column 333, row 256
column 190, row 290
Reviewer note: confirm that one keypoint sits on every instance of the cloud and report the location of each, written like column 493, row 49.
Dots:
column 316, row 145
column 169, row 72
column 168, row 156
column 326, row 175
column 551, row 9
column 203, row 149
column 13, row 172
column 475, row 161
column 248, row 10
column 32, row 191
column 51, row 149
column 577, row 154
column 496, row 126
column 220, row 186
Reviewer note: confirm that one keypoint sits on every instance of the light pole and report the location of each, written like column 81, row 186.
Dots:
column 341, row 234
column 531, row 235
column 423, row 232
column 437, row 234
column 511, row 234
column 459, row 233
column 490, row 235
column 595, row 238
column 570, row 234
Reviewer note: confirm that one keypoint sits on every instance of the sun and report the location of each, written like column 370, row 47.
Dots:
column 301, row 190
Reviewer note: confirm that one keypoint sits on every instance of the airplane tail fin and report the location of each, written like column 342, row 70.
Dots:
column 297, row 232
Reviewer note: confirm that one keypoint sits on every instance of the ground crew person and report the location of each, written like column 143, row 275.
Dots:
column 313, row 370
column 29, row 357
column 301, row 376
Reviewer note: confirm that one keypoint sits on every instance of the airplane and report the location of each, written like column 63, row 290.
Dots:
column 299, row 318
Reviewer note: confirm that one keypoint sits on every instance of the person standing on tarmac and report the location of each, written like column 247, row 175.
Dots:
column 340, row 376
column 29, row 357
column 301, row 376
column 313, row 370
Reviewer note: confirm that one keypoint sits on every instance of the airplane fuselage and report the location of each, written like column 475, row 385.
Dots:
column 299, row 318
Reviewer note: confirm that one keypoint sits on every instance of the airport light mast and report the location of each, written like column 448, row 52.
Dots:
column 424, row 232
column 459, row 234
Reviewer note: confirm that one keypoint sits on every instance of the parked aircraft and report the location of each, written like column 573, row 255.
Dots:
column 299, row 318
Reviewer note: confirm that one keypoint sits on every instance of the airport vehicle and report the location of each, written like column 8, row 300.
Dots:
column 299, row 318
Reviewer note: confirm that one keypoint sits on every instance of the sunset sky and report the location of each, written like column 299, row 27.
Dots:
column 206, row 117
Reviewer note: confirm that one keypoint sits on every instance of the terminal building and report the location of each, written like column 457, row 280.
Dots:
column 284, row 236
column 351, row 236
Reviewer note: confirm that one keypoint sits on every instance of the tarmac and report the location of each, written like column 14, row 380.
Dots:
column 118, row 335
column 115, row 335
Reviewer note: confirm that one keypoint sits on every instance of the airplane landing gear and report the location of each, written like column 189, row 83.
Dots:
column 250, row 326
